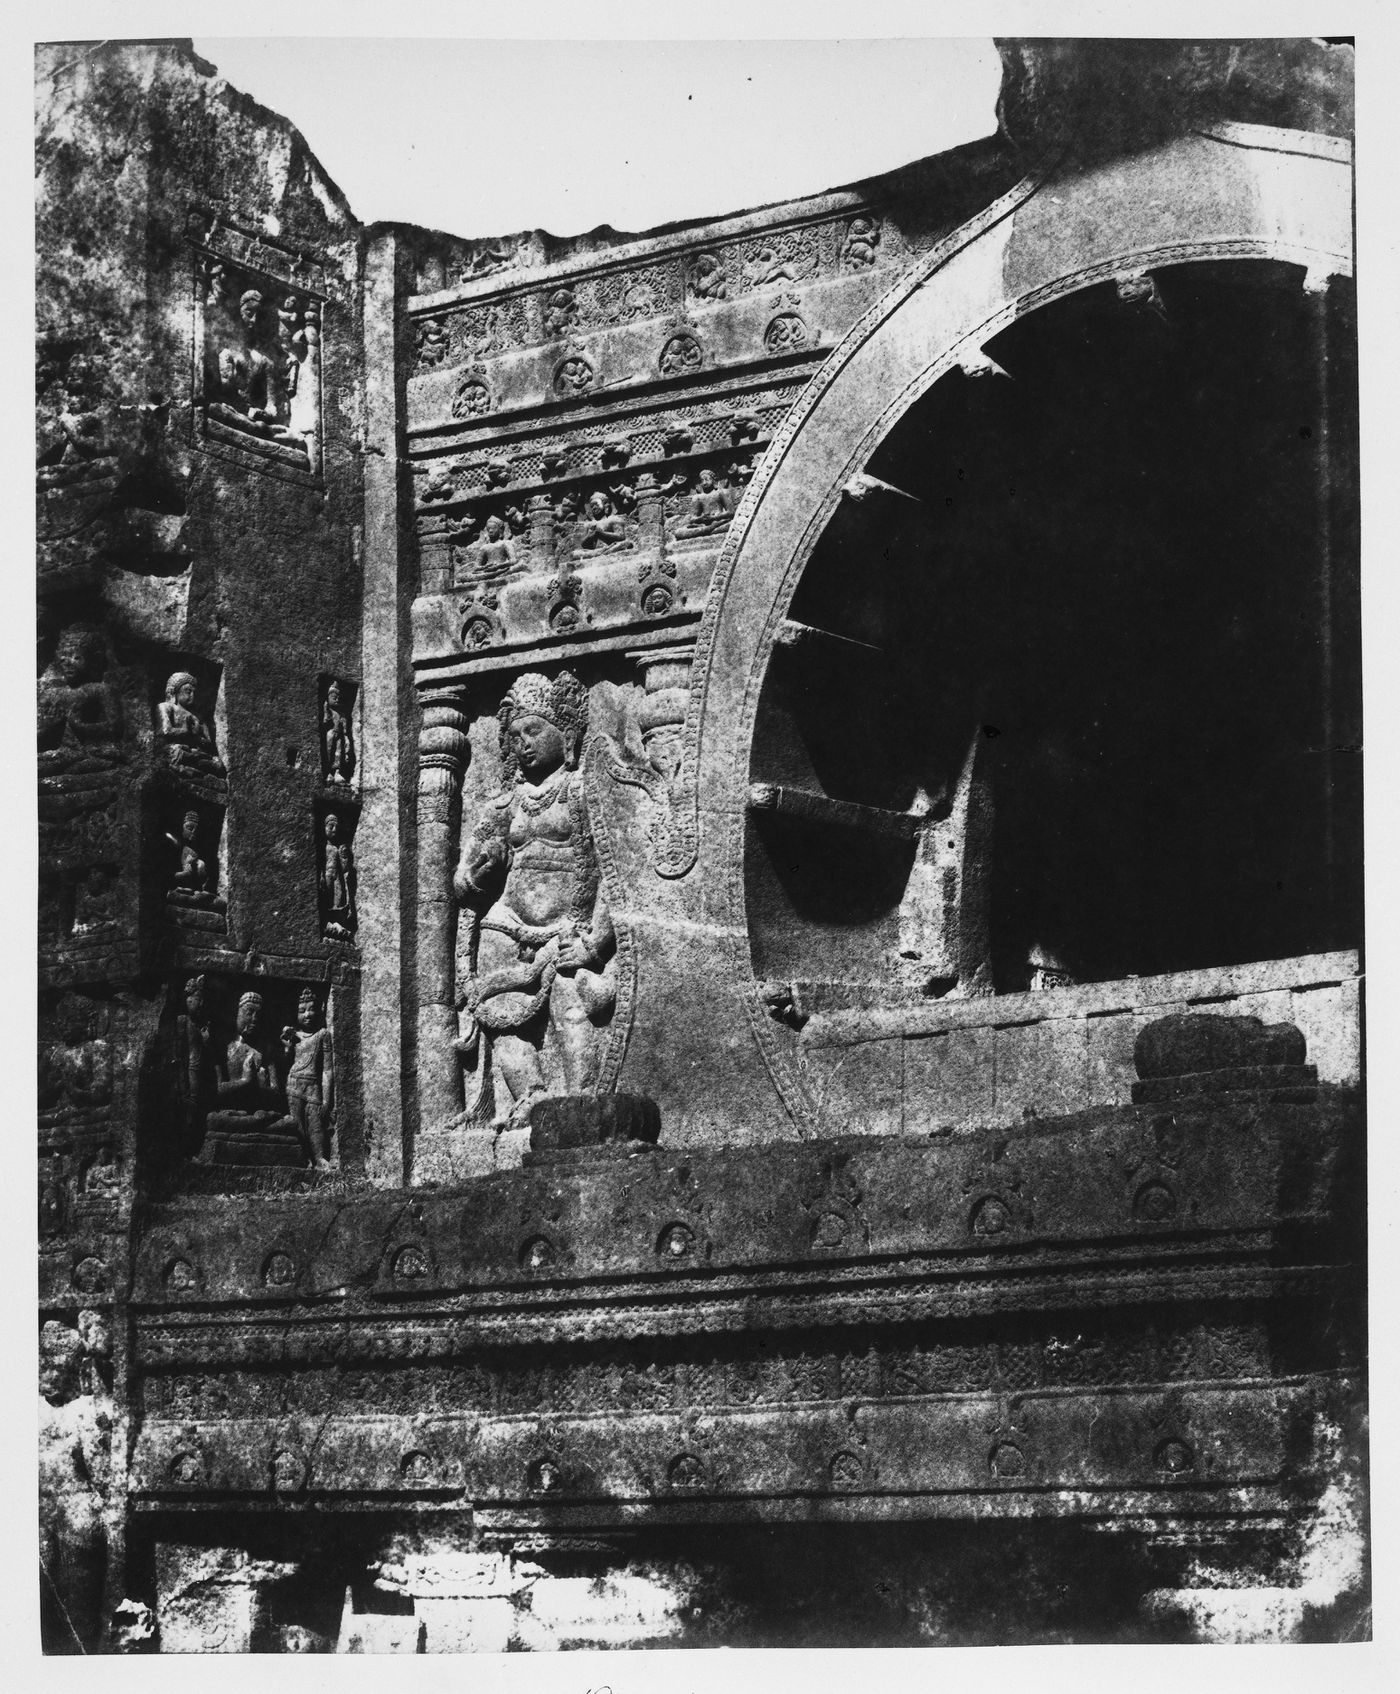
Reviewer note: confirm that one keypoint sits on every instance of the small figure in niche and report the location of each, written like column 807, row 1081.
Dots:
column 708, row 280
column 710, row 507
column 561, row 312
column 603, row 530
column 496, row 553
column 291, row 339
column 247, row 1091
column 338, row 881
column 337, row 740
column 249, row 390
column 310, row 1080
column 187, row 738
column 192, row 1057
column 189, row 885
column 80, row 716
column 861, row 241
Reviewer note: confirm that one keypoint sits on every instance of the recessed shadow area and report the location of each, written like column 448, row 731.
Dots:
column 1134, row 589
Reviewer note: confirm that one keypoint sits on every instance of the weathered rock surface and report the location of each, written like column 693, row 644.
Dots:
column 568, row 1113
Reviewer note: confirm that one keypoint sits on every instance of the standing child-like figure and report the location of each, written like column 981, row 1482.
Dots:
column 337, row 741
column 310, row 1080
column 338, row 881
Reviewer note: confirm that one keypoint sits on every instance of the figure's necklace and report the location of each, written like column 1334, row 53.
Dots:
column 542, row 797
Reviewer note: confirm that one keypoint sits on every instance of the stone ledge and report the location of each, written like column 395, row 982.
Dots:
column 836, row 1028
column 1127, row 1178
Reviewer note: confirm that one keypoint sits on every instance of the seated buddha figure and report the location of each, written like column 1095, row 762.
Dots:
column 191, row 883
column 80, row 717
column 186, row 737
column 710, row 507
column 249, row 1102
column 247, row 387
column 536, row 965
column 602, row 529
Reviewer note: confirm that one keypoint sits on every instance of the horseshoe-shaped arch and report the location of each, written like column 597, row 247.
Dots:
column 1235, row 192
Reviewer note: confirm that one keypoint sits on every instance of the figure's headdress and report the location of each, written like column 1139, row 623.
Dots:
column 250, row 999
column 562, row 702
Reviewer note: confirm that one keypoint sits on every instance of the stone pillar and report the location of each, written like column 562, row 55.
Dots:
column 442, row 758
column 541, row 512
column 435, row 557
column 650, row 510
column 311, row 375
column 386, row 561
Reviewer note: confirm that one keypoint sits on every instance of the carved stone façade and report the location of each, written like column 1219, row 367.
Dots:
column 547, row 1045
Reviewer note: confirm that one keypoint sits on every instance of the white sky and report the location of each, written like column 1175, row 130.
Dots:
column 489, row 137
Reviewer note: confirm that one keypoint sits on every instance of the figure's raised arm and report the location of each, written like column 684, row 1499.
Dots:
column 485, row 856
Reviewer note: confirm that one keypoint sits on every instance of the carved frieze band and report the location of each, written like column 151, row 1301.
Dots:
column 774, row 1369
column 1190, row 1440
column 720, row 271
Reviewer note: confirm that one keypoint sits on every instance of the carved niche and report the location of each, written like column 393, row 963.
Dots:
column 335, row 869
column 573, row 375
column 190, row 847
column 338, row 756
column 258, row 353
column 184, row 737
column 488, row 548
column 247, row 1075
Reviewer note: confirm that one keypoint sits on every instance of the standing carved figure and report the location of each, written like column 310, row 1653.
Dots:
column 74, row 1455
column 291, row 342
column 310, row 1080
column 192, row 1078
column 537, row 954
column 338, row 880
column 337, row 741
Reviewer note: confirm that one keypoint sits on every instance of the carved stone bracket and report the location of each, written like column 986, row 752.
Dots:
column 661, row 719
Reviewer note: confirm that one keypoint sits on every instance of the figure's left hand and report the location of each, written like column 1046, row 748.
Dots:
column 573, row 956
